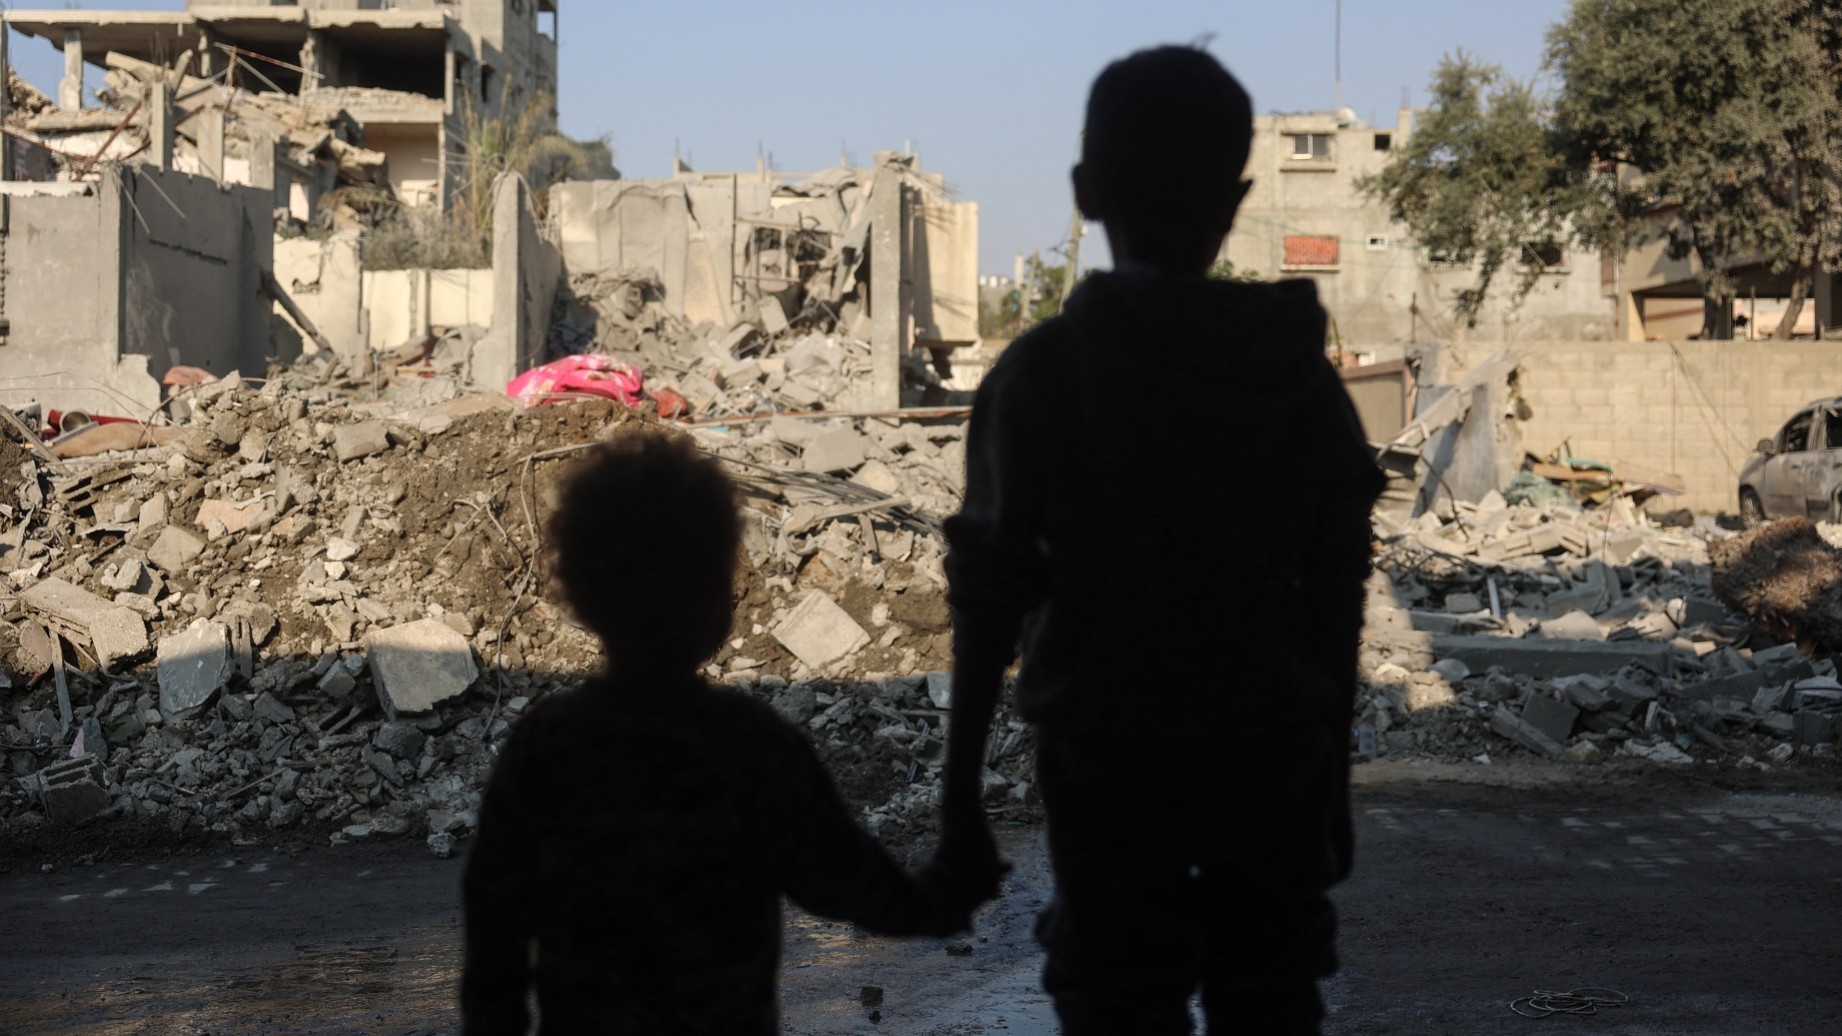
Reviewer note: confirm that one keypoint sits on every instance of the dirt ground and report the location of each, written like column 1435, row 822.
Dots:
column 1712, row 904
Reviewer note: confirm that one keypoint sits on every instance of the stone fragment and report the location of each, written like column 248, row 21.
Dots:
column 833, row 451
column 878, row 476
column 419, row 665
column 175, row 550
column 273, row 709
column 1512, row 727
column 357, row 441
column 1575, row 625
column 441, row 845
column 1582, row 752
column 116, row 633
column 338, row 683
column 193, row 664
column 1815, row 727
column 818, row 632
column 75, row 790
column 1451, row 670
column 126, row 576
column 1555, row 719
column 231, row 516
column 1425, row 691
column 339, row 548
column 940, row 690
column 153, row 511
column 399, row 739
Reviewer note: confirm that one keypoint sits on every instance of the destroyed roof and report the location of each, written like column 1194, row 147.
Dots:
column 154, row 35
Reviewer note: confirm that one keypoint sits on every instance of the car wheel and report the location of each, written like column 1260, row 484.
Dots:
column 1751, row 511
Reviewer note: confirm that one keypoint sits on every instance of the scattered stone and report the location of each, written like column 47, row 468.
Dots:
column 1555, row 719
column 1513, row 727
column 441, row 845
column 175, row 550
column 340, row 549
column 419, row 665
column 358, row 441
column 273, row 709
column 837, row 450
column 1574, row 625
column 399, row 739
column 192, row 666
column 1463, row 604
column 940, row 690
column 818, row 632
column 116, row 633
column 231, row 517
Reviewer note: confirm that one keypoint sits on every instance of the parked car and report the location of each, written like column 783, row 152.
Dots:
column 1799, row 470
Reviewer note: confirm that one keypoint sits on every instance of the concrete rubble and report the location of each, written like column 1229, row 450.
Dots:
column 348, row 661
column 1583, row 635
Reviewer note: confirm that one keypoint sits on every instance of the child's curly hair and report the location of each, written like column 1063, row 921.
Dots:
column 643, row 546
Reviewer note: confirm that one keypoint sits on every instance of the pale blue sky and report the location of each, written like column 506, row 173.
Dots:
column 990, row 94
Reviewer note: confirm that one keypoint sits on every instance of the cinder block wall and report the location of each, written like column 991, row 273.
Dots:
column 1692, row 408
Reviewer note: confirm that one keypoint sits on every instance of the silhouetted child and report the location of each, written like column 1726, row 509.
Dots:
column 1167, row 505
column 638, row 832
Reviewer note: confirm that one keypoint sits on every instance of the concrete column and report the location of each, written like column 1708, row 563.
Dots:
column 211, row 144
column 160, row 124
column 886, row 310
column 263, row 171
column 6, row 143
column 70, row 89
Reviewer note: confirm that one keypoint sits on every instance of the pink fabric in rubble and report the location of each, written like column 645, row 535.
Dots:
column 592, row 375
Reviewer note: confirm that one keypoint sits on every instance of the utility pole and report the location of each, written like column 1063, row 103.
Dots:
column 1339, row 49
column 1073, row 270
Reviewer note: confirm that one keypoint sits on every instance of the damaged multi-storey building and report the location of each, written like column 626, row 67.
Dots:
column 196, row 192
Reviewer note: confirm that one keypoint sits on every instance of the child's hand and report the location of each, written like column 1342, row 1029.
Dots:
column 967, row 866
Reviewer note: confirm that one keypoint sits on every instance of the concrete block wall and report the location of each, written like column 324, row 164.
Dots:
column 1694, row 409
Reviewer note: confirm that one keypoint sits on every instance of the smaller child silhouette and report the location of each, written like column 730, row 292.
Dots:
column 638, row 832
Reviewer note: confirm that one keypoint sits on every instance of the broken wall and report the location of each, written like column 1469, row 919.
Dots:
column 1694, row 409
column 401, row 304
column 526, row 269
column 324, row 278
column 684, row 230
column 109, row 284
column 945, row 261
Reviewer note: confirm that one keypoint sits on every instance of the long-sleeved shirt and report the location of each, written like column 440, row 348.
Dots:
column 1167, row 505
column 634, row 844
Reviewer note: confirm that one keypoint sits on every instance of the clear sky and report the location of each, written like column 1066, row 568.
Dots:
column 989, row 94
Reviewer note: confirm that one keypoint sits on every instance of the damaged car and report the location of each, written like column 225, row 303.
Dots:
column 1799, row 470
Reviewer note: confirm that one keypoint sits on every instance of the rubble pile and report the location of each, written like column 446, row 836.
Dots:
column 1580, row 635
column 1788, row 576
column 312, row 611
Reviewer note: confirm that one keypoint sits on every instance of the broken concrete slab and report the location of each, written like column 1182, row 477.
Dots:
column 401, row 740
column 419, row 665
column 193, row 665
column 1543, row 658
column 819, row 632
column 1555, row 719
column 1575, row 625
column 231, row 516
column 1521, row 732
column 358, row 441
column 834, row 451
column 940, row 690
column 116, row 633
column 273, row 709
column 175, row 550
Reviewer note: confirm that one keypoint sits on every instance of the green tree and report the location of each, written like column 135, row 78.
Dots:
column 520, row 139
column 1479, row 179
column 1725, row 110
column 1713, row 123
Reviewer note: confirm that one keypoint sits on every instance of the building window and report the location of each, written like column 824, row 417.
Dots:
column 1547, row 257
column 1444, row 257
column 1384, row 141
column 1377, row 243
column 1310, row 147
column 1307, row 251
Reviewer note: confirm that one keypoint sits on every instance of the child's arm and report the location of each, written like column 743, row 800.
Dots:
column 996, row 574
column 822, row 859
column 496, row 894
